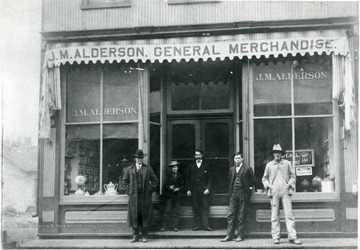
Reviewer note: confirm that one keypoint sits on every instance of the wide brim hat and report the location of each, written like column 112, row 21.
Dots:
column 139, row 154
column 277, row 149
column 173, row 163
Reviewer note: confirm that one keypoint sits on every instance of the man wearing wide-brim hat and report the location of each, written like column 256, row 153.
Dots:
column 173, row 186
column 279, row 180
column 140, row 182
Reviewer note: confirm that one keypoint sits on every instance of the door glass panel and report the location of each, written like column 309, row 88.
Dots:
column 217, row 139
column 220, row 169
column 217, row 154
column 183, row 141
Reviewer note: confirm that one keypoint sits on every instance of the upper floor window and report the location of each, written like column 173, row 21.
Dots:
column 100, row 4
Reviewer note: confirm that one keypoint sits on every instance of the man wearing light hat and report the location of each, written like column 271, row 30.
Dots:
column 140, row 182
column 279, row 180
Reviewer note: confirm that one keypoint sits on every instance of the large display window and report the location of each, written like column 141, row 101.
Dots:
column 100, row 128
column 292, row 106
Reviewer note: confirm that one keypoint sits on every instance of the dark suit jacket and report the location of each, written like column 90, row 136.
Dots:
column 206, row 176
column 178, row 182
column 248, row 180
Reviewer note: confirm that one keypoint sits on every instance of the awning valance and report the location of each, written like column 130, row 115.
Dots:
column 205, row 47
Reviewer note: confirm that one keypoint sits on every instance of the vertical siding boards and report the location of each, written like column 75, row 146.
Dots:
column 66, row 15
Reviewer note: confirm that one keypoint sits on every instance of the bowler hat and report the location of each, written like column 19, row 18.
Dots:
column 139, row 154
column 277, row 149
column 173, row 163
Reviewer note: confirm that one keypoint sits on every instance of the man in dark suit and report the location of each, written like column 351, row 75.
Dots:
column 241, row 181
column 140, row 182
column 173, row 186
column 198, row 184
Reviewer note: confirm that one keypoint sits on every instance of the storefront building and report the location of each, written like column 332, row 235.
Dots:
column 231, row 76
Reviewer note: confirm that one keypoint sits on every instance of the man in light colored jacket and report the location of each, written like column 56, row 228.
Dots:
column 279, row 180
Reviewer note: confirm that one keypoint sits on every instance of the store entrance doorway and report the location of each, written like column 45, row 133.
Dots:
column 214, row 136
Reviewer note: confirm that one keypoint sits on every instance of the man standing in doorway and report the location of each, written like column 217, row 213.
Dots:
column 140, row 182
column 198, row 183
column 241, row 180
column 279, row 180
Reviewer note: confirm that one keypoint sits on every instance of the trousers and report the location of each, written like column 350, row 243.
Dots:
column 200, row 207
column 238, row 209
column 281, row 193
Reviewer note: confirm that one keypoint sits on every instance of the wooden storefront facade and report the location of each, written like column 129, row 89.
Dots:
column 233, row 76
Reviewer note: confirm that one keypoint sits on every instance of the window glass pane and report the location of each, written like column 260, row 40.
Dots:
column 155, row 98
column 272, row 89
column 312, row 137
column 82, row 157
column 266, row 134
column 183, row 140
column 117, row 156
column 121, row 131
column 312, row 87
column 201, row 85
column 215, row 95
column 185, row 96
column 121, row 92
column 83, row 95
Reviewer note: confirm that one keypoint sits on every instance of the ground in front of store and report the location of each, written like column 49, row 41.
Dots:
column 19, row 230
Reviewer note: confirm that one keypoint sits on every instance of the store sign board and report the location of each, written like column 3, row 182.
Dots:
column 303, row 157
column 303, row 171
column 196, row 51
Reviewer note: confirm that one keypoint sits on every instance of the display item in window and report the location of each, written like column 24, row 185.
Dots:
column 279, row 180
column 80, row 181
column 111, row 189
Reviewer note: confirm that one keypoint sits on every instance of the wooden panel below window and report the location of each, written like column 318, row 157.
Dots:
column 301, row 215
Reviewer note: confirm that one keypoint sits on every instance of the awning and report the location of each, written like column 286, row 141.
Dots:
column 207, row 47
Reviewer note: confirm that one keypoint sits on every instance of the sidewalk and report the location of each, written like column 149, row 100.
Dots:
column 189, row 243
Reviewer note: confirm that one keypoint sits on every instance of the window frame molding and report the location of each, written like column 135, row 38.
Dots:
column 86, row 5
column 178, row 2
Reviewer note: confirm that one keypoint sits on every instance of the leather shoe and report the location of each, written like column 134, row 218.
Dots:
column 227, row 238
column 196, row 228
column 238, row 239
column 175, row 229
column 296, row 241
column 276, row 241
column 134, row 239
column 144, row 240
column 208, row 229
